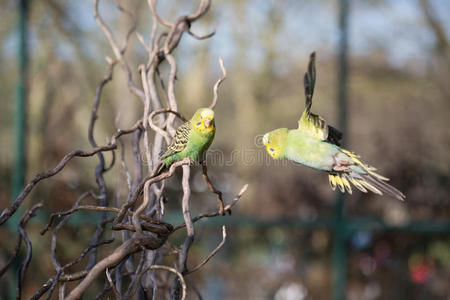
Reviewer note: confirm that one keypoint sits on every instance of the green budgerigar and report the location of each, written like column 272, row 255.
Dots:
column 316, row 144
column 191, row 139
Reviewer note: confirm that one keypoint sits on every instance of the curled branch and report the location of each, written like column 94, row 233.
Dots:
column 152, row 225
column 216, row 213
column 146, row 112
column 201, row 10
column 23, row 222
column 23, row 267
column 158, row 129
column 224, row 236
column 67, row 277
column 148, row 182
column 8, row 212
column 162, row 267
column 214, row 190
column 202, row 37
column 218, row 82
column 113, row 286
column 151, row 4
column 118, row 53
column 11, row 259
column 150, row 232
column 129, row 247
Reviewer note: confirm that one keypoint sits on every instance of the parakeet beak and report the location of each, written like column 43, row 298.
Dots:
column 207, row 122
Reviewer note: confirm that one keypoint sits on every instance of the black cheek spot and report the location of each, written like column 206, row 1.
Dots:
column 199, row 123
column 271, row 149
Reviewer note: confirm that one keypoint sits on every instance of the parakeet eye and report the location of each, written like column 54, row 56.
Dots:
column 268, row 142
column 271, row 149
column 199, row 123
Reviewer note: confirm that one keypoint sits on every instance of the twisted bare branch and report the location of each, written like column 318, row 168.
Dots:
column 151, row 4
column 162, row 267
column 140, row 225
column 129, row 247
column 210, row 255
column 117, row 51
column 214, row 190
column 216, row 213
column 8, row 212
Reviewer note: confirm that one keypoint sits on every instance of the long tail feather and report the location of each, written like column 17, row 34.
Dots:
column 341, row 182
column 332, row 179
column 382, row 186
column 364, row 178
column 358, row 185
column 364, row 183
column 369, row 169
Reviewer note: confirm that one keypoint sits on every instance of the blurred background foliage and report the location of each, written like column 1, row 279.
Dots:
column 398, row 117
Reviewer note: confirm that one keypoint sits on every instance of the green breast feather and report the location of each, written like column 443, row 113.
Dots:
column 192, row 139
column 309, row 151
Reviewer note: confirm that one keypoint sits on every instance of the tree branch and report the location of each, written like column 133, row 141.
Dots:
column 224, row 236
column 218, row 82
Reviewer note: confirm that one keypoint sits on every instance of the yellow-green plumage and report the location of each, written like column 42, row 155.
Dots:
column 316, row 144
column 191, row 139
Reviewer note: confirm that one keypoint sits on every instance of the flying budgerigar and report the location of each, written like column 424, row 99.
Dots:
column 191, row 139
column 316, row 144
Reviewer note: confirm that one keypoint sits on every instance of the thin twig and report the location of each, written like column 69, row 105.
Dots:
column 8, row 212
column 132, row 28
column 216, row 213
column 170, row 269
column 23, row 267
column 129, row 247
column 59, row 270
column 202, row 9
column 171, row 92
column 113, row 286
column 141, row 39
column 158, row 129
column 13, row 257
column 151, row 4
column 218, row 82
column 202, row 37
column 224, row 236
column 117, row 52
column 68, row 277
column 214, row 190
column 101, row 208
column 147, row 109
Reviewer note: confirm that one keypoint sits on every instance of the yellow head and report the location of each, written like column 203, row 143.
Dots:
column 203, row 120
column 275, row 141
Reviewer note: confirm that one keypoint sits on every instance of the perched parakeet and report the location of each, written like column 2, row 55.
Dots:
column 191, row 139
column 316, row 144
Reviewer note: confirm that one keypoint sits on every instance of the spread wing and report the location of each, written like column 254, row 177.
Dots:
column 179, row 141
column 312, row 124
